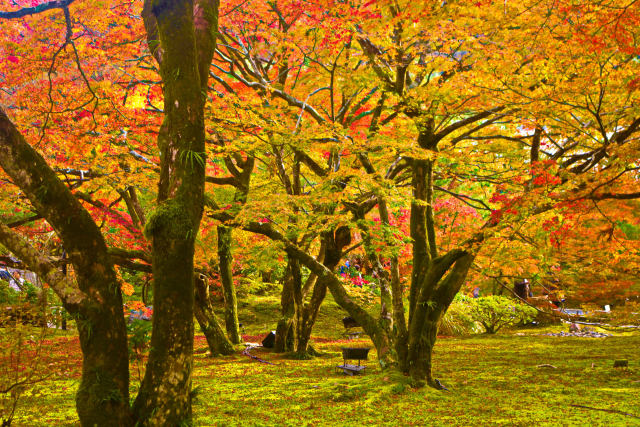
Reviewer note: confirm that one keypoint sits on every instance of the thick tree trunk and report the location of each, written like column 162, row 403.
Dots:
column 185, row 30
column 284, row 335
column 217, row 341
column 419, row 355
column 228, row 288
column 95, row 300
column 438, row 286
column 103, row 396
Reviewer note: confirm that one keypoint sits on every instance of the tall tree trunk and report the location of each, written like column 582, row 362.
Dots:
column 284, row 331
column 217, row 341
column 95, row 300
column 185, row 30
column 165, row 394
column 228, row 288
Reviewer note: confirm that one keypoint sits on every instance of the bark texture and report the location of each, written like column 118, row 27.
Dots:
column 185, row 31
column 228, row 288
column 95, row 300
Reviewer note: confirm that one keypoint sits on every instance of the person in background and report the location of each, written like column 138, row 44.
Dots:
column 556, row 295
column 522, row 289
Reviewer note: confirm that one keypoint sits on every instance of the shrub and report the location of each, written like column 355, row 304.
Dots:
column 21, row 353
column 8, row 295
column 458, row 320
column 494, row 311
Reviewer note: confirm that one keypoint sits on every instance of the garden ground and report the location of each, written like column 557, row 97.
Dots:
column 492, row 380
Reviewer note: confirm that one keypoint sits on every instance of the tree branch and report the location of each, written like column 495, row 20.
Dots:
column 26, row 11
column 70, row 295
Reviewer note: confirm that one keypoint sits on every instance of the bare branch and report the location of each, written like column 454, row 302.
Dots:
column 26, row 11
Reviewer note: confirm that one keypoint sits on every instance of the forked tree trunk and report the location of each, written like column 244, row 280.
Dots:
column 438, row 286
column 305, row 319
column 185, row 30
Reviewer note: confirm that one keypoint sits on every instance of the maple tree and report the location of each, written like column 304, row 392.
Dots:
column 460, row 96
column 418, row 138
column 96, row 302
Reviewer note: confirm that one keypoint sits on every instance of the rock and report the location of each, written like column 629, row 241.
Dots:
column 621, row 363
column 269, row 340
column 582, row 333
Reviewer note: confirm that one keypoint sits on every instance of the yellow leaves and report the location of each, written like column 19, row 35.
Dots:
column 127, row 288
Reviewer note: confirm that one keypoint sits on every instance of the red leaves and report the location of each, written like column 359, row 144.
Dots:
column 496, row 216
column 550, row 223
column 498, row 197
column 634, row 84
column 546, row 179
column 541, row 174
column 83, row 114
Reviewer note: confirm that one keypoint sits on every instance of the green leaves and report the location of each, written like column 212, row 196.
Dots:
column 192, row 158
column 496, row 311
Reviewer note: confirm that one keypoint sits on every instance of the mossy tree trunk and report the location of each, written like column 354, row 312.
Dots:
column 332, row 243
column 228, row 289
column 94, row 300
column 217, row 341
column 185, row 31
column 284, row 330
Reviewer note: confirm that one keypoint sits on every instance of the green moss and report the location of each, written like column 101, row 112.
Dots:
column 102, row 389
column 492, row 381
column 169, row 217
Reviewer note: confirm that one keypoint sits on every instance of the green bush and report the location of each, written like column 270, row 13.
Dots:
column 8, row 295
column 255, row 286
column 458, row 320
column 495, row 311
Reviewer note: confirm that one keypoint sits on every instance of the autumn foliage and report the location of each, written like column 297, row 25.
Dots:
column 440, row 146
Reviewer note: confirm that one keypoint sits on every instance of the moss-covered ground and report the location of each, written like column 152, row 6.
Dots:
column 492, row 380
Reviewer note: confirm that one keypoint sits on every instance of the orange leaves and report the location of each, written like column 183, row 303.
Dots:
column 127, row 288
